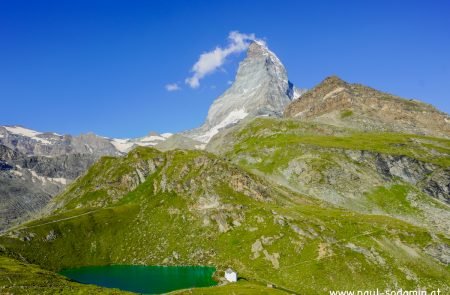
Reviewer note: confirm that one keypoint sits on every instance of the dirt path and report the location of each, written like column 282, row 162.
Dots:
column 53, row 221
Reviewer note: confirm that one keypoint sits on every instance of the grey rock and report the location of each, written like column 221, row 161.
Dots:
column 438, row 185
column 439, row 251
column 28, row 183
column 408, row 169
column 34, row 143
column 433, row 180
column 36, row 166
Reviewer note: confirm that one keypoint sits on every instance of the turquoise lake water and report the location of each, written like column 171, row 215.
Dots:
column 143, row 279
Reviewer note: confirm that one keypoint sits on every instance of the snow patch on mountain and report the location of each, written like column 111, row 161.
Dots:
column 125, row 145
column 232, row 118
column 298, row 92
column 122, row 145
column 18, row 130
column 22, row 131
column 44, row 179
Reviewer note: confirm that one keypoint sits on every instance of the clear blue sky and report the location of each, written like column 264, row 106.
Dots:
column 102, row 66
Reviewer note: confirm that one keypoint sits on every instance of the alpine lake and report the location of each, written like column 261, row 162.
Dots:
column 143, row 279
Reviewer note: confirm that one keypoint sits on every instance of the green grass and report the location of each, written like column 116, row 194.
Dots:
column 290, row 136
column 21, row 278
column 342, row 166
column 346, row 114
column 392, row 199
column 147, row 225
column 241, row 287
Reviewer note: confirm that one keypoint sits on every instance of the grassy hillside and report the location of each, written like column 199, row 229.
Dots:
column 242, row 287
column 270, row 132
column 400, row 175
column 194, row 208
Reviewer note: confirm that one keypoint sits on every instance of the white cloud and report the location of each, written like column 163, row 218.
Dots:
column 172, row 87
column 229, row 82
column 209, row 62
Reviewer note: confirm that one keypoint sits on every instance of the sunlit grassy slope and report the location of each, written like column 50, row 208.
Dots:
column 346, row 167
column 289, row 136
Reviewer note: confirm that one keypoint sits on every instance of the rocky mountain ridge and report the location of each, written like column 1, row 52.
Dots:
column 32, row 142
column 339, row 103
column 36, row 166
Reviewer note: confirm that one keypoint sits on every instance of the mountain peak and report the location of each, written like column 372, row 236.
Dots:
column 333, row 80
column 261, row 88
column 330, row 83
column 356, row 106
column 257, row 48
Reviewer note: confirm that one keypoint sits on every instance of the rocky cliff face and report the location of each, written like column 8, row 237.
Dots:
column 31, row 142
column 261, row 88
column 339, row 103
column 28, row 183
column 432, row 179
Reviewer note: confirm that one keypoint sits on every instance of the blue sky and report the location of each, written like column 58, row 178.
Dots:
column 102, row 66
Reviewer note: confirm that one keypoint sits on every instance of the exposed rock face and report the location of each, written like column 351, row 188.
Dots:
column 438, row 185
column 356, row 106
column 433, row 180
column 261, row 88
column 35, row 166
column 440, row 252
column 31, row 142
column 28, row 183
column 348, row 177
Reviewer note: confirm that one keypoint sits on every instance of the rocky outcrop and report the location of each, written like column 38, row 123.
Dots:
column 339, row 103
column 440, row 251
column 432, row 179
column 438, row 185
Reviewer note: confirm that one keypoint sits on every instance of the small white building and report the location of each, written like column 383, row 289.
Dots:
column 230, row 275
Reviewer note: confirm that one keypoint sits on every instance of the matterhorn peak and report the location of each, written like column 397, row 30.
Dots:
column 261, row 88
column 257, row 48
